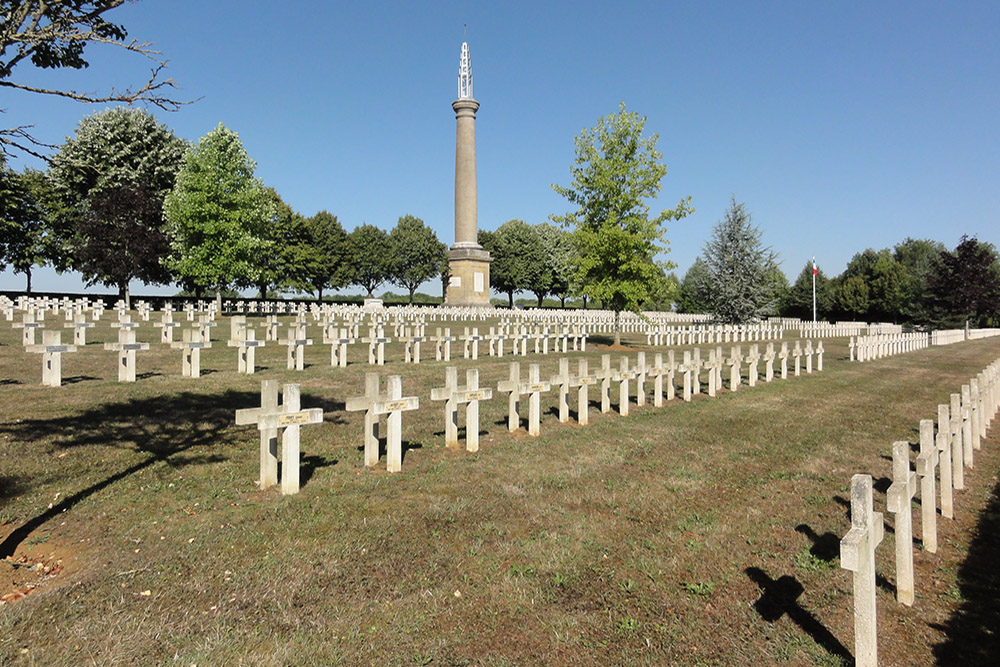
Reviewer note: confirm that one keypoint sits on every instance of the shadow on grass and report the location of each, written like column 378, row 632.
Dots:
column 163, row 427
column 779, row 597
column 971, row 632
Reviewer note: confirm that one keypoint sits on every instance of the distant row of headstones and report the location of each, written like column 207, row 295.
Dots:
column 960, row 426
column 662, row 374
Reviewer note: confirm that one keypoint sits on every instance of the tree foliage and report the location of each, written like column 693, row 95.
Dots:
column 116, row 157
column 292, row 258
column 328, row 238
column 125, row 239
column 561, row 261
column 694, row 297
column 22, row 221
column 918, row 258
column 55, row 35
column 966, row 284
column 884, row 279
column 369, row 257
column 615, row 172
column 217, row 216
column 741, row 282
column 416, row 254
column 800, row 297
column 519, row 259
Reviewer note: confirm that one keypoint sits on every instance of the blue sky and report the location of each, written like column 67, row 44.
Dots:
column 841, row 125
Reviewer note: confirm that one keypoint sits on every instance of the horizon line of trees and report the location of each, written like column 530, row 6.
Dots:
column 124, row 199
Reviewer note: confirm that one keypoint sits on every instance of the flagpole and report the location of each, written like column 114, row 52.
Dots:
column 814, row 290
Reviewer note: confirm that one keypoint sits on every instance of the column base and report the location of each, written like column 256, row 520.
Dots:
column 469, row 284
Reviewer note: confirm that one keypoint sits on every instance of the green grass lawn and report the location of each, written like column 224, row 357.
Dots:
column 697, row 534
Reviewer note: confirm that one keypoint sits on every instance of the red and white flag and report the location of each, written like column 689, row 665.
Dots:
column 814, row 267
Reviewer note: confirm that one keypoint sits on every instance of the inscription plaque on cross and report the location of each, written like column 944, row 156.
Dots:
column 857, row 554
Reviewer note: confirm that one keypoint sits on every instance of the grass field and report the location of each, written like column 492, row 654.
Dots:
column 694, row 534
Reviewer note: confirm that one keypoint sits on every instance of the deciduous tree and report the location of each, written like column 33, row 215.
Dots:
column 415, row 254
column 518, row 259
column 615, row 173
column 369, row 257
column 966, row 284
column 217, row 216
column 328, row 237
column 22, row 222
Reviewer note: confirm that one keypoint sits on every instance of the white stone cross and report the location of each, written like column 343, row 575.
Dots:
column 533, row 387
column 411, row 345
column 376, row 345
column 657, row 371
column 769, row 362
column 899, row 500
column 338, row 340
column 819, row 356
column 51, row 350
column 797, row 355
column 166, row 326
column 687, row 368
column 857, row 554
column 296, row 344
column 392, row 404
column 809, row 356
column 79, row 325
column 606, row 375
column 966, row 413
column 783, row 358
column 734, row 361
column 471, row 348
column 640, row 378
column 270, row 417
column 714, row 367
column 943, row 443
column 959, row 458
column 623, row 377
column 246, row 345
column 191, row 345
column 752, row 359
column 927, row 462
column 126, row 348
column 454, row 395
column 442, row 344
column 28, row 324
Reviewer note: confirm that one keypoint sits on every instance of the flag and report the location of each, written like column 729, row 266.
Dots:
column 814, row 268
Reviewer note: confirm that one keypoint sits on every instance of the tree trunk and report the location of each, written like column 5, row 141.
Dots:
column 540, row 297
column 510, row 299
column 27, row 275
column 618, row 327
column 218, row 300
column 319, row 291
column 125, row 296
column 262, row 288
column 562, row 302
column 585, row 302
column 412, row 290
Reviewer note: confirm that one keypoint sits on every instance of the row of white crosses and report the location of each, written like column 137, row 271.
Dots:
column 961, row 425
column 869, row 348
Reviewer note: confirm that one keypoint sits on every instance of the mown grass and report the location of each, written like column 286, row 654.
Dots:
column 700, row 533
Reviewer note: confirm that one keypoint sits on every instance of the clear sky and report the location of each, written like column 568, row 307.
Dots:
column 841, row 125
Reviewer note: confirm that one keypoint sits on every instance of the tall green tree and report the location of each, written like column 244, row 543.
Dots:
column 519, row 259
column 615, row 173
column 293, row 257
column 217, row 216
column 740, row 285
column 22, row 222
column 884, row 279
column 694, row 297
column 415, row 254
column 560, row 260
column 918, row 258
column 665, row 293
column 328, row 237
column 966, row 284
column 369, row 257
